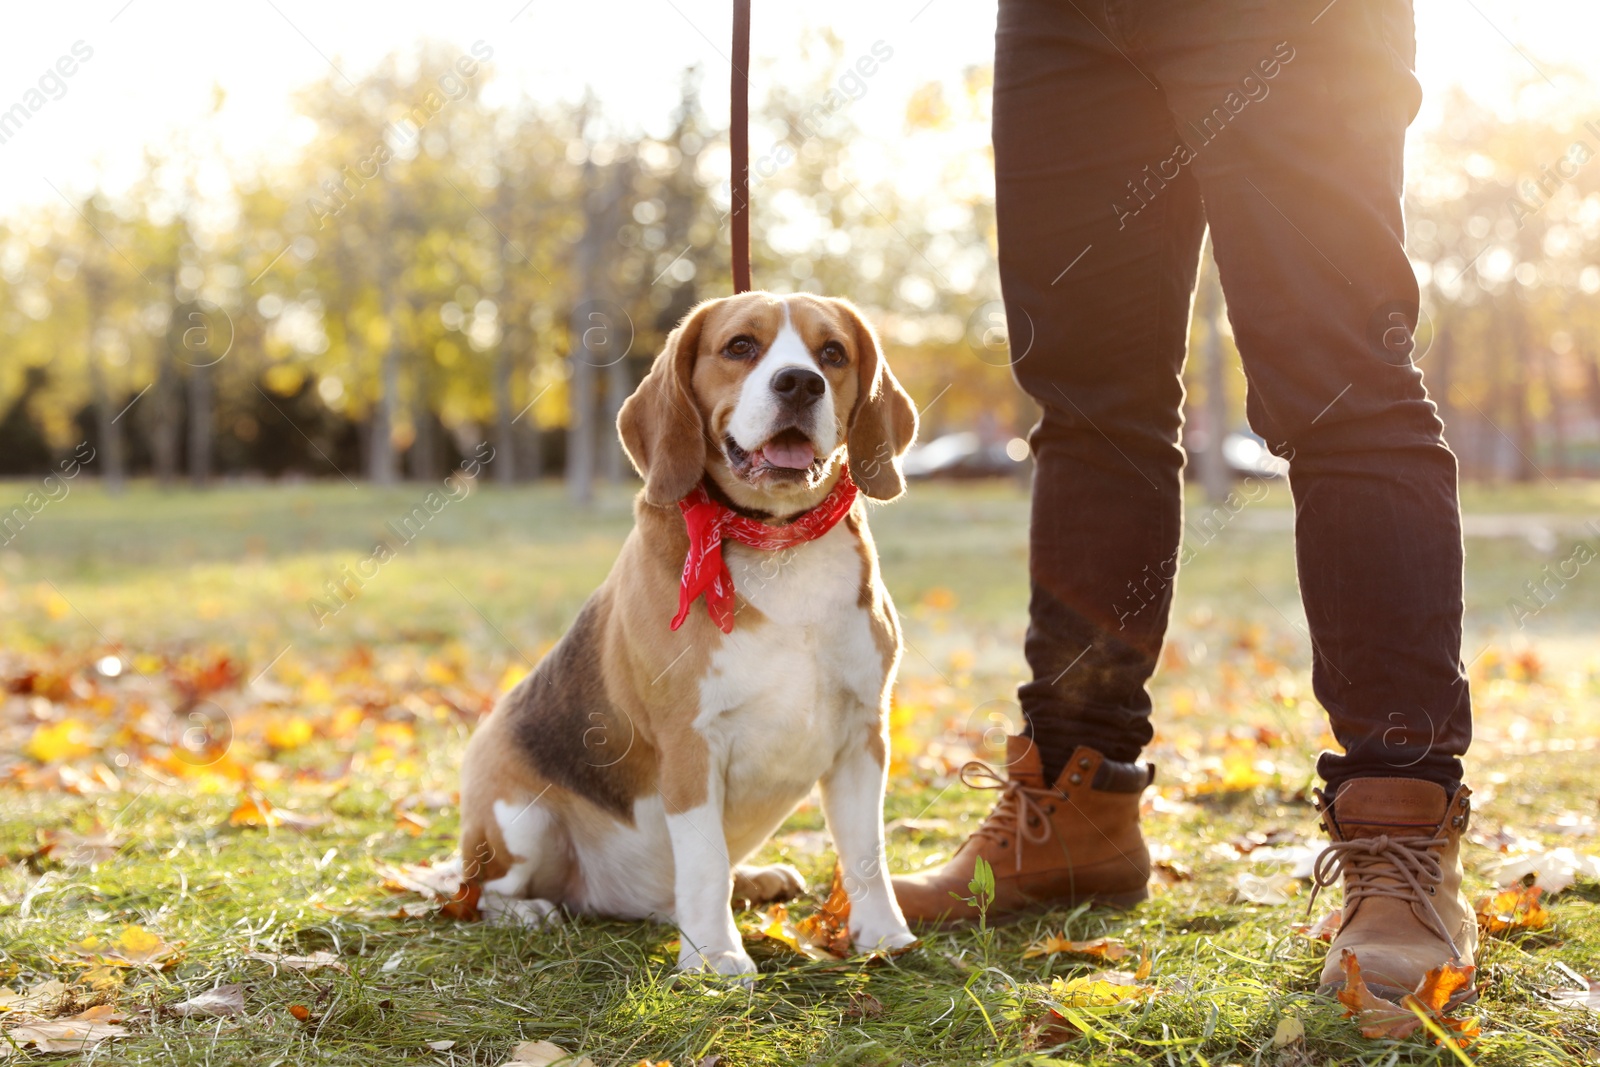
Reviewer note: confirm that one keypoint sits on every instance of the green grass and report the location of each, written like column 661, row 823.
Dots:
column 174, row 579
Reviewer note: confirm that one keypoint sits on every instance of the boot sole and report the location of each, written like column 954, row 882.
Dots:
column 1115, row 901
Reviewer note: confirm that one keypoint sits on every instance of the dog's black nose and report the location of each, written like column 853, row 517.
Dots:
column 799, row 387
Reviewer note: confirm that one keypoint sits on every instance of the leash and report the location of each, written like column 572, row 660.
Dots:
column 739, row 146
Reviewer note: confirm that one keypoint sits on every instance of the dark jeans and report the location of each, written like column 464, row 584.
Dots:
column 1121, row 130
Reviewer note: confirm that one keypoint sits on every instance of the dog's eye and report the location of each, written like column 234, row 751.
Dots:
column 742, row 347
column 833, row 354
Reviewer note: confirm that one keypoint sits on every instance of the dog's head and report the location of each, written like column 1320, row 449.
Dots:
column 766, row 395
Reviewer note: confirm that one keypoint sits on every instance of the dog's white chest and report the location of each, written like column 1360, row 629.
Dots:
column 785, row 690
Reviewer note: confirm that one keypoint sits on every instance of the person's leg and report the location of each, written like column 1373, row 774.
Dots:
column 1097, row 304
column 1302, row 188
column 1298, row 113
column 1098, row 255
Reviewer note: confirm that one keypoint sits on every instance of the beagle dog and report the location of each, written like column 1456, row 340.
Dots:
column 661, row 742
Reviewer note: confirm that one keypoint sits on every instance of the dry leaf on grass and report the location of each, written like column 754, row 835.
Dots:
column 1169, row 872
column 1156, row 803
column 65, row 740
column 829, row 926
column 316, row 961
column 1289, row 1031
column 1512, row 910
column 1441, row 989
column 864, row 1005
column 1108, row 948
column 441, row 884
column 1582, row 998
column 134, row 947
column 69, row 1035
column 1587, row 995
column 1245, row 844
column 1571, row 824
column 1323, row 929
column 1555, row 869
column 103, row 976
column 412, row 823
column 49, row 997
column 1048, row 1031
column 1501, row 840
column 1102, row 988
column 257, row 811
column 223, row 1000
column 435, row 881
column 1265, row 888
column 824, row 935
column 199, row 678
column 79, row 850
column 543, row 1054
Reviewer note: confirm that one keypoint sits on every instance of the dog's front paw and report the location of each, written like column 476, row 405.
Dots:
column 766, row 885
column 888, row 939
column 732, row 963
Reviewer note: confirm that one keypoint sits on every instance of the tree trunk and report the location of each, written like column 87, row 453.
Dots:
column 1589, row 355
column 580, row 430
column 1550, row 372
column 381, row 466
column 505, row 432
column 581, row 385
column 505, row 352
column 1517, row 395
column 162, row 417
column 199, row 426
column 107, row 413
column 609, row 442
column 616, row 463
column 424, row 454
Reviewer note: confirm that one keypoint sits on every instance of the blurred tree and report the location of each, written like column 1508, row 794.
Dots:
column 428, row 270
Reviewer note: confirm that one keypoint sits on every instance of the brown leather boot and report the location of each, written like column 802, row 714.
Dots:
column 1050, row 846
column 1397, row 848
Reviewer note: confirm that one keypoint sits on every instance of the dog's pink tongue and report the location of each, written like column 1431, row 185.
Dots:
column 793, row 456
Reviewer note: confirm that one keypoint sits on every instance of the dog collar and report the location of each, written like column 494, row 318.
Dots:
column 710, row 522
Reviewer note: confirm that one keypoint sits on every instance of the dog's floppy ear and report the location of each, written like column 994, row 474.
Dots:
column 884, row 421
column 660, row 423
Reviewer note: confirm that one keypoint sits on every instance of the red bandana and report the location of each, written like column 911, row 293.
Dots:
column 709, row 522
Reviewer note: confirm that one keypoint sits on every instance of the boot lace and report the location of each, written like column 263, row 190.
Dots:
column 1021, row 814
column 1403, row 868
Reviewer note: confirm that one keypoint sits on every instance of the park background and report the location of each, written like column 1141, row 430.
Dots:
column 275, row 279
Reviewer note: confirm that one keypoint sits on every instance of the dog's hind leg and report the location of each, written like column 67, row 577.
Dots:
column 519, row 854
column 766, row 885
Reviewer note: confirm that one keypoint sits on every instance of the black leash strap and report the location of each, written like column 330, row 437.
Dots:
column 739, row 146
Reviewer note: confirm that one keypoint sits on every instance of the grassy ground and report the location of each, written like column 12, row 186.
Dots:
column 352, row 721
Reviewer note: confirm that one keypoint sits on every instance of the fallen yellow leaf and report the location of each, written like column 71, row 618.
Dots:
column 288, row 733
column 1101, row 989
column 1511, row 910
column 67, row 739
column 1440, row 989
column 258, row 811
column 824, row 935
column 1108, row 948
